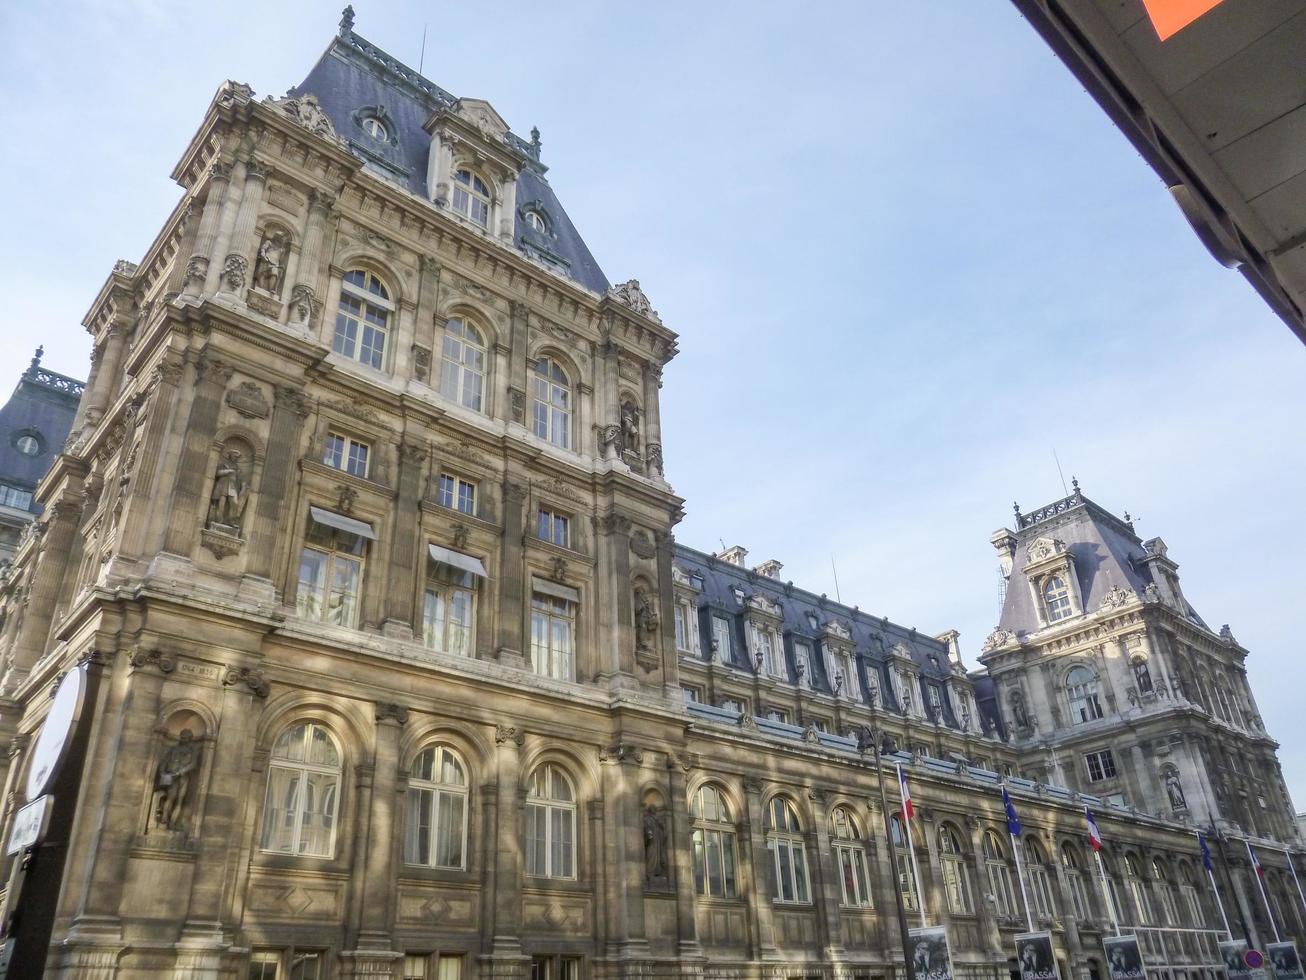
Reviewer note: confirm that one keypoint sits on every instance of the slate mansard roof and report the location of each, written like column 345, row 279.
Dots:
column 42, row 406
column 353, row 74
column 873, row 638
column 1105, row 551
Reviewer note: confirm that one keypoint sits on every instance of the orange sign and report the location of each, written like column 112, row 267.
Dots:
column 1171, row 16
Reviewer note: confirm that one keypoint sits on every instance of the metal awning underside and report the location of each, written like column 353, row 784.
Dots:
column 1218, row 111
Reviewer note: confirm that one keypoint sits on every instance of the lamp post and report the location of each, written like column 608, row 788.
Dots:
column 870, row 739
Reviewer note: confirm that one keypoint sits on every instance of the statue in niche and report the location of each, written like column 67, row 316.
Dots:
column 172, row 781
column 1175, row 791
column 646, row 622
column 270, row 266
column 873, row 690
column 655, row 845
column 230, row 494
column 1019, row 712
column 629, row 427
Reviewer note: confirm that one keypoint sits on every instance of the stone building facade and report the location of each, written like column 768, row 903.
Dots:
column 363, row 542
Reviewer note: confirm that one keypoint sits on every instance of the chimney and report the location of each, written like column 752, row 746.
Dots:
column 770, row 568
column 734, row 555
column 1004, row 542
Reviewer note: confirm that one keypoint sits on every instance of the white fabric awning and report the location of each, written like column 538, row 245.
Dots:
column 458, row 560
column 342, row 523
column 545, row 587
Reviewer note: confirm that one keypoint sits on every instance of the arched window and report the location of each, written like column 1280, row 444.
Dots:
column 550, row 824
column 1164, row 891
column 1142, row 676
column 462, row 364
column 1074, row 869
column 1056, row 599
column 1192, row 904
column 998, row 873
column 437, row 810
column 956, row 878
column 850, row 858
column 902, row 856
column 537, row 222
column 784, row 839
column 1112, row 886
column 375, row 128
column 1138, row 890
column 715, row 873
column 363, row 319
column 552, row 403
column 1040, row 888
column 1081, row 689
column 471, row 196
column 303, row 793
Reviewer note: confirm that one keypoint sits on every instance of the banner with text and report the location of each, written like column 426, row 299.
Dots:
column 1035, row 957
column 1124, row 960
column 929, row 953
column 1232, row 952
column 1286, row 962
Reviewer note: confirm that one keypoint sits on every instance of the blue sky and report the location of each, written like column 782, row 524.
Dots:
column 907, row 257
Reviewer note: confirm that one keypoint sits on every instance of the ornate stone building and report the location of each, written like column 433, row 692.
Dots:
column 363, row 545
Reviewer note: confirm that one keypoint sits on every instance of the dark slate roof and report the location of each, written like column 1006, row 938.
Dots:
column 353, row 74
column 873, row 638
column 1106, row 553
column 43, row 406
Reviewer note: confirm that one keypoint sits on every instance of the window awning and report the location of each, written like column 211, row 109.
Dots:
column 458, row 560
column 342, row 523
column 545, row 587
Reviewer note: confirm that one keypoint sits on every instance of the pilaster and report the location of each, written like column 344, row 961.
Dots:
column 186, row 512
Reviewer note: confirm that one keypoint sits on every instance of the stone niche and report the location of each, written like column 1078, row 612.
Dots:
column 177, row 778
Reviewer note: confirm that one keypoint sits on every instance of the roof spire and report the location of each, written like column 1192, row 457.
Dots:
column 346, row 20
column 535, row 142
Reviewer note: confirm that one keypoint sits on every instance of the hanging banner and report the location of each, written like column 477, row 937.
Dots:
column 1233, row 951
column 1034, row 956
column 929, row 953
column 1286, row 962
column 1124, row 960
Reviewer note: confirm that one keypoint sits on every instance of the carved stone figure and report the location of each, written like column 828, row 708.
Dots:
column 172, row 781
column 230, row 493
column 629, row 427
column 629, row 294
column 1175, row 791
column 655, row 845
column 1019, row 713
column 270, row 266
column 646, row 622
column 873, row 691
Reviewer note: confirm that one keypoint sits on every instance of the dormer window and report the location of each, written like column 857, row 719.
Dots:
column 471, row 197
column 1056, row 599
column 375, row 128
column 537, row 222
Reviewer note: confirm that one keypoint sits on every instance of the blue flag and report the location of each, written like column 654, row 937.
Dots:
column 1206, row 852
column 1013, row 821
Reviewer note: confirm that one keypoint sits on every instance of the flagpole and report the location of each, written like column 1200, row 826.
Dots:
column 1020, row 866
column 1260, row 883
column 1293, row 868
column 1106, row 892
column 911, row 852
column 1219, row 904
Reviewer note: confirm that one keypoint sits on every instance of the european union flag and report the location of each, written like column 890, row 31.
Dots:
column 1013, row 821
column 1206, row 852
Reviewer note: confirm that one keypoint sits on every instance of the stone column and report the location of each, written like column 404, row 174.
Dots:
column 884, row 876
column 623, row 854
column 609, row 399
column 508, row 856
column 679, row 837
column 514, row 385
column 281, row 460
column 652, row 420
column 760, row 907
column 60, row 525
column 106, row 378
column 377, row 874
column 508, row 210
column 1074, row 944
column 666, row 550
column 512, row 585
column 188, row 507
column 303, row 295
column 933, row 870
column 358, row 848
column 986, row 919
column 405, row 544
column 425, row 358
column 226, row 220
column 138, row 512
column 243, row 243
column 197, row 267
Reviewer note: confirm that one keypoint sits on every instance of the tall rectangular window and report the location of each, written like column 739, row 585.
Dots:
column 330, row 572
column 448, row 609
column 457, row 494
column 803, row 663
column 681, row 615
column 553, row 628
column 13, row 497
column 554, row 527
column 721, row 639
column 346, row 453
column 1101, row 765
column 432, row 966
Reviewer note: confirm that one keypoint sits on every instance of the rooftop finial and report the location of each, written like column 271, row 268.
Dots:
column 535, row 142
column 1074, row 482
column 347, row 19
column 36, row 361
column 1129, row 521
column 1016, row 507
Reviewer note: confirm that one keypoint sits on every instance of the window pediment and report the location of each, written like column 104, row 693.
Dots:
column 483, row 117
column 766, row 607
column 1044, row 549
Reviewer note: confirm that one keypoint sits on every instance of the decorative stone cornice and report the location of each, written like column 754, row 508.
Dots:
column 251, row 677
column 139, row 659
column 505, row 734
column 621, row 752
column 389, row 711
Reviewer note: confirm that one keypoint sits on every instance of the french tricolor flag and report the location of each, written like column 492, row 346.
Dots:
column 1256, row 862
column 908, row 810
column 1094, row 835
